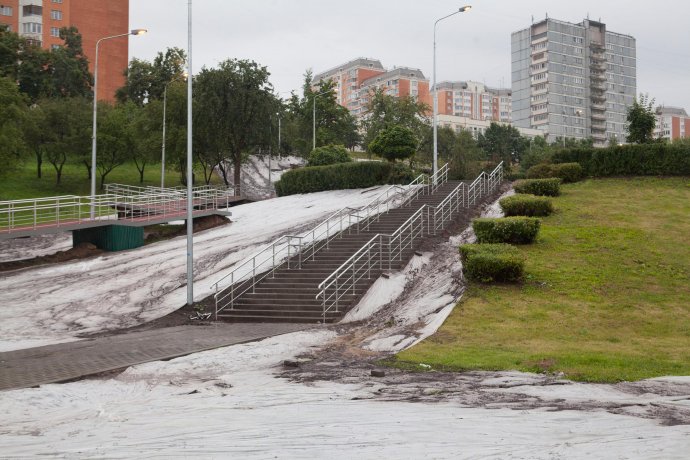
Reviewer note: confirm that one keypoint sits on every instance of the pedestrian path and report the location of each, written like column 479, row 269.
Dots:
column 68, row 361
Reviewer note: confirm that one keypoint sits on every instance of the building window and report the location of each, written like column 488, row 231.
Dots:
column 55, row 47
column 32, row 10
column 6, row 10
column 54, row 32
column 57, row 1
column 32, row 28
column 56, row 14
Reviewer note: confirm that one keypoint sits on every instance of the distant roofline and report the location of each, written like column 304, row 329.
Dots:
column 397, row 71
column 580, row 24
column 349, row 64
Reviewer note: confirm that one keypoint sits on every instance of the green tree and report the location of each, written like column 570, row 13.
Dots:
column 334, row 123
column 114, row 139
column 394, row 143
column 65, row 126
column 145, row 81
column 466, row 158
column 641, row 120
column 233, row 106
column 446, row 143
column 13, row 113
column 69, row 67
column 502, row 143
column 384, row 111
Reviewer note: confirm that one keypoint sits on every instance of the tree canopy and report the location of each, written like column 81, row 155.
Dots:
column 234, row 104
column 394, row 143
column 641, row 120
column 384, row 111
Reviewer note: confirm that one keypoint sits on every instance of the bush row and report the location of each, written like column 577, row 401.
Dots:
column 658, row 159
column 567, row 172
column 492, row 262
column 526, row 205
column 515, row 230
column 340, row 176
column 540, row 187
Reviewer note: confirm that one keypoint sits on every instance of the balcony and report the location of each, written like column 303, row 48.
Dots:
column 598, row 116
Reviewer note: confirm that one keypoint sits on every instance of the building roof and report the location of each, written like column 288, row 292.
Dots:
column 355, row 63
column 472, row 86
column 671, row 111
column 404, row 72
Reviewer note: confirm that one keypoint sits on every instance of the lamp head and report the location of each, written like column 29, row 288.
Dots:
column 138, row 31
column 465, row 8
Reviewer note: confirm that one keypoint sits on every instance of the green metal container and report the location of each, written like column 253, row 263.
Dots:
column 110, row 237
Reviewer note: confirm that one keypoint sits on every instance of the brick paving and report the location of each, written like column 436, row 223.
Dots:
column 68, row 361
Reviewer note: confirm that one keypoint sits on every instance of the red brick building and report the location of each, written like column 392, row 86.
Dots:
column 41, row 21
column 356, row 80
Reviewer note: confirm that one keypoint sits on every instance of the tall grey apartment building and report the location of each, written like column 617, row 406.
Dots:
column 573, row 80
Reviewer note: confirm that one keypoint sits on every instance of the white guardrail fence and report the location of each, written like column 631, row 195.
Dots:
column 381, row 250
column 291, row 250
column 119, row 203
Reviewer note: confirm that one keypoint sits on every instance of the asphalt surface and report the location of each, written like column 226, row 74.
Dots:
column 73, row 360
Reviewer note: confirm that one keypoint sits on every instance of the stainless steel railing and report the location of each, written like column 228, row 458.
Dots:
column 71, row 210
column 286, row 252
column 382, row 250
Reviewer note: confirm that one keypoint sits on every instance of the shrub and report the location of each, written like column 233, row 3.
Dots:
column 656, row 159
column 567, row 172
column 328, row 155
column 540, row 187
column 492, row 262
column 540, row 171
column 515, row 176
column 526, row 205
column 339, row 176
column 401, row 174
column 516, row 230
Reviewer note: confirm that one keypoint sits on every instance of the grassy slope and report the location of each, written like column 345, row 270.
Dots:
column 23, row 183
column 607, row 296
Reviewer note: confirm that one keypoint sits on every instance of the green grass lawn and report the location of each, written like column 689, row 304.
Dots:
column 606, row 297
column 24, row 183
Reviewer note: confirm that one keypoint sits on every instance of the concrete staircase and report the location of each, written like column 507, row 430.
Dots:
column 290, row 295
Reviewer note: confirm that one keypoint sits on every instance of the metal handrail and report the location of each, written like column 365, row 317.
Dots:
column 241, row 280
column 344, row 278
column 59, row 211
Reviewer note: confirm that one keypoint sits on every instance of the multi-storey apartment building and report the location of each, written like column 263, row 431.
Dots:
column 474, row 100
column 41, row 21
column 357, row 79
column 573, row 80
column 672, row 123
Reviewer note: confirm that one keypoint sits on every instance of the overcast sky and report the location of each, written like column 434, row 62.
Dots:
column 290, row 36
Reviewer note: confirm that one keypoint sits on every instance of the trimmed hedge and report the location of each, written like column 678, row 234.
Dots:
column 567, row 172
column 492, row 262
column 539, row 187
column 657, row 159
column 328, row 155
column 540, row 171
column 526, row 205
column 516, row 230
column 360, row 174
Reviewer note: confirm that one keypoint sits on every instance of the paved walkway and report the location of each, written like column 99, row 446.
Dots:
column 67, row 361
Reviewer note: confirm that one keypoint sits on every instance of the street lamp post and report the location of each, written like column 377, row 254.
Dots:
column 279, row 120
column 190, row 216
column 314, row 117
column 95, row 109
column 165, row 105
column 435, row 115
